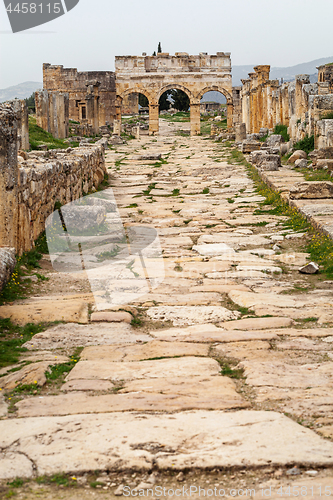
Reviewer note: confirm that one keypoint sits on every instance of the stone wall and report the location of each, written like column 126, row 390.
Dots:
column 73, row 82
column 51, row 176
column 30, row 187
column 299, row 105
column 52, row 112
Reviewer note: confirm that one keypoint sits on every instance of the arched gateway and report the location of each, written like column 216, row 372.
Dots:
column 154, row 75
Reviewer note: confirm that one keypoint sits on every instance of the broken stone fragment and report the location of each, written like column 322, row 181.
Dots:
column 298, row 155
column 312, row 190
column 301, row 163
column 311, row 268
column 151, row 156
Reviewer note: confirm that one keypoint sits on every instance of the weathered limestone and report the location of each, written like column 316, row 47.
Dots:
column 7, row 264
column 195, row 439
column 8, row 177
column 52, row 112
column 312, row 190
column 154, row 75
column 240, row 130
column 299, row 105
column 21, row 109
column 64, row 336
column 35, row 311
column 73, row 82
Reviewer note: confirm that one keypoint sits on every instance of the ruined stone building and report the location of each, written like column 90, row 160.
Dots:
column 154, row 75
column 300, row 105
column 75, row 83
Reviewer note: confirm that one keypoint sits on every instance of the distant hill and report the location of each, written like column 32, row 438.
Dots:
column 288, row 73
column 21, row 91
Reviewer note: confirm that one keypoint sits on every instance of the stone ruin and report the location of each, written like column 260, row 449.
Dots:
column 32, row 182
column 299, row 105
column 154, row 75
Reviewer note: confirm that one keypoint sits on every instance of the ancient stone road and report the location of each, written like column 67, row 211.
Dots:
column 233, row 331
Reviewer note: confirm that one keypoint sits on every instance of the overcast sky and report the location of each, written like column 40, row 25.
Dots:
column 279, row 33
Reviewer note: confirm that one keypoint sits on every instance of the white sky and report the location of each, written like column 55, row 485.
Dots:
column 279, row 33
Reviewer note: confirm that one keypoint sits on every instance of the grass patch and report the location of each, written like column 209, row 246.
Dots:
column 316, row 175
column 58, row 479
column 227, row 370
column 136, row 322
column 205, row 190
column 16, row 288
column 175, row 192
column 38, row 136
column 181, row 116
column 319, row 246
column 149, row 188
column 327, row 116
column 283, row 131
column 12, row 338
column 59, row 371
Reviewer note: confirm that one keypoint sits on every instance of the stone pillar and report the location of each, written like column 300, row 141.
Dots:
column 8, row 177
column 42, row 109
column 153, row 118
column 300, row 80
column 52, row 112
column 21, row 109
column 240, row 130
column 116, row 127
column 92, row 99
column 230, row 113
column 195, row 118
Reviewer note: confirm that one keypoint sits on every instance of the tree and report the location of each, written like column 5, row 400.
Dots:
column 154, row 54
column 31, row 102
column 181, row 100
column 159, row 50
column 143, row 101
column 164, row 102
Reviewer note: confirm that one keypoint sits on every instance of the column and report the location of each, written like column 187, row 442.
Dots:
column 230, row 112
column 195, row 118
column 153, row 118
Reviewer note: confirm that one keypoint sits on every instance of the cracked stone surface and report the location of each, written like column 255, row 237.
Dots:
column 187, row 439
column 226, row 363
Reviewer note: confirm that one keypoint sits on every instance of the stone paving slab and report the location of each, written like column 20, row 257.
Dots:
column 189, row 315
column 38, row 311
column 75, row 335
column 279, row 374
column 153, row 349
column 195, row 439
column 132, row 370
column 174, row 394
column 211, row 333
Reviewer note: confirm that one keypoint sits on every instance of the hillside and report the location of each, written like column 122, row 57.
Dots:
column 21, row 91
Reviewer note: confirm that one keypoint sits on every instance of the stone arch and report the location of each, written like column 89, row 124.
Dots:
column 230, row 105
column 172, row 86
column 135, row 91
column 215, row 88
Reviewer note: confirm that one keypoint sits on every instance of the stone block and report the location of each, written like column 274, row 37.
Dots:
column 312, row 190
column 301, row 163
column 240, row 131
column 297, row 155
column 269, row 162
column 274, row 140
column 325, row 164
column 250, row 145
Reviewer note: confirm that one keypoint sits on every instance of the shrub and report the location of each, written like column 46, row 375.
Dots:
column 283, row 131
column 306, row 144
